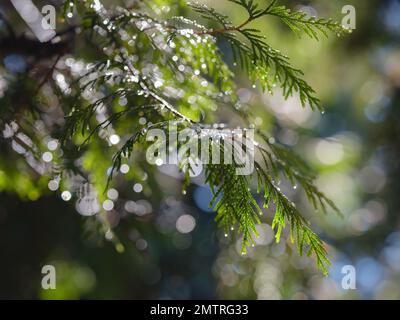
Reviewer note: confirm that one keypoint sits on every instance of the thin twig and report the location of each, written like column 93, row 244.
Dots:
column 222, row 30
column 164, row 102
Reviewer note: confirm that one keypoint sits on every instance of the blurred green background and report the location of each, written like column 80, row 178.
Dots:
column 171, row 246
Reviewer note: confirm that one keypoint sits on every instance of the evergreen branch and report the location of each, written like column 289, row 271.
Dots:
column 196, row 49
column 211, row 14
column 124, row 151
column 286, row 211
column 236, row 206
column 269, row 66
column 299, row 21
column 143, row 84
column 258, row 58
column 278, row 158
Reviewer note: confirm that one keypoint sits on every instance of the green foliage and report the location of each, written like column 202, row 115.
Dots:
column 236, row 207
column 212, row 15
column 173, row 69
column 264, row 64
